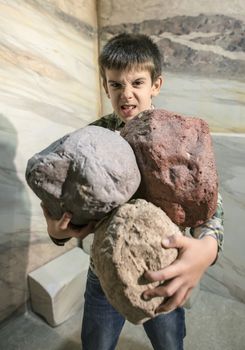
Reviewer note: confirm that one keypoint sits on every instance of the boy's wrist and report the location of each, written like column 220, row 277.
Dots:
column 59, row 241
column 211, row 243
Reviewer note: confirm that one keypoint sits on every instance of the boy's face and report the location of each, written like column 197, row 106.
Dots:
column 131, row 91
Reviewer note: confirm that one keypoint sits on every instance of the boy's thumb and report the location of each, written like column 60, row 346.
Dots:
column 174, row 241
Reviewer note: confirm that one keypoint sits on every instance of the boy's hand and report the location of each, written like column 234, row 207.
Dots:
column 63, row 228
column 179, row 278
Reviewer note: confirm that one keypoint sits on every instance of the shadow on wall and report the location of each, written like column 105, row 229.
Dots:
column 14, row 226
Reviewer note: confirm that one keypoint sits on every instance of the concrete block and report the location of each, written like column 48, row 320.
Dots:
column 57, row 288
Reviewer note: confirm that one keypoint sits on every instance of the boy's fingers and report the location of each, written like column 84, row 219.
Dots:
column 175, row 241
column 63, row 228
column 86, row 230
column 173, row 302
column 167, row 289
column 91, row 226
column 65, row 220
column 167, row 273
column 82, row 232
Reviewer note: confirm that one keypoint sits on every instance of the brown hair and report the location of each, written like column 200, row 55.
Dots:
column 126, row 51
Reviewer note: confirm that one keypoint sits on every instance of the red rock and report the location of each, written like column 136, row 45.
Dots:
column 177, row 164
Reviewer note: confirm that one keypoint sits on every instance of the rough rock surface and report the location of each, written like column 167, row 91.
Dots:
column 126, row 244
column 88, row 172
column 177, row 164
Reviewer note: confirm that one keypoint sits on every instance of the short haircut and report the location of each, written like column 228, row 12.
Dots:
column 127, row 51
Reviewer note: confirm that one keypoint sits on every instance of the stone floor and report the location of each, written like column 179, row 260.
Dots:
column 213, row 323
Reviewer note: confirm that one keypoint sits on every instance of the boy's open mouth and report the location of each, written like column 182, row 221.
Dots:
column 128, row 107
column 127, row 111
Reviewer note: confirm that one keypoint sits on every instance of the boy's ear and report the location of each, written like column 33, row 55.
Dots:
column 156, row 86
column 105, row 88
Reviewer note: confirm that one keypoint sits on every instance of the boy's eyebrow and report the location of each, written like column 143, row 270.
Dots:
column 113, row 81
column 120, row 82
column 139, row 78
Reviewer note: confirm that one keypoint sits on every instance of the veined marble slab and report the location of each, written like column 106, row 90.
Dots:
column 117, row 11
column 83, row 11
column 227, row 276
column 48, row 87
column 218, row 101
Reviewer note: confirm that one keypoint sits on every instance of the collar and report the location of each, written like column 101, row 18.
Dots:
column 119, row 122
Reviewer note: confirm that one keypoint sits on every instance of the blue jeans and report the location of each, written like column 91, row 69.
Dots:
column 102, row 324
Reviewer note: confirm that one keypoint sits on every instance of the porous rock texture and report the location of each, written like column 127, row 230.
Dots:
column 87, row 172
column 126, row 244
column 177, row 164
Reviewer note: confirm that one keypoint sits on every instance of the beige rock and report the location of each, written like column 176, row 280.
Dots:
column 126, row 244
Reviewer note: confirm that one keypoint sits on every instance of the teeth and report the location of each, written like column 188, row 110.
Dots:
column 127, row 107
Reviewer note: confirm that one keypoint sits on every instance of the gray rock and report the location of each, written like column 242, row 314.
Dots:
column 176, row 159
column 126, row 244
column 88, row 173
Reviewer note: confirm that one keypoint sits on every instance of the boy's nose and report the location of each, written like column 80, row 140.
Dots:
column 126, row 93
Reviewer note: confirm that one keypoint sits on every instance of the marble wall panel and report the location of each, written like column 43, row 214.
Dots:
column 113, row 12
column 227, row 276
column 48, row 87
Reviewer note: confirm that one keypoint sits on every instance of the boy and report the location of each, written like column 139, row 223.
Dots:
column 130, row 66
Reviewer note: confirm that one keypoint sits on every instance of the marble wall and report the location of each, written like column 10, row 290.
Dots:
column 203, row 67
column 113, row 12
column 227, row 276
column 48, row 87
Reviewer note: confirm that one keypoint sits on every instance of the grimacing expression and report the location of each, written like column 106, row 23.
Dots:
column 130, row 91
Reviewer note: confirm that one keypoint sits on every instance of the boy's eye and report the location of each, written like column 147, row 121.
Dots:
column 138, row 82
column 115, row 85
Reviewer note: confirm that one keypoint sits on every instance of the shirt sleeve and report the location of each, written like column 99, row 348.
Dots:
column 110, row 121
column 213, row 227
column 104, row 122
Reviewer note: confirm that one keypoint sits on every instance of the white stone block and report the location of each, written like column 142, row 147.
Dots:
column 57, row 288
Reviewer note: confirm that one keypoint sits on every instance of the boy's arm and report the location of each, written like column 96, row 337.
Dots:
column 61, row 231
column 213, row 227
column 195, row 256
